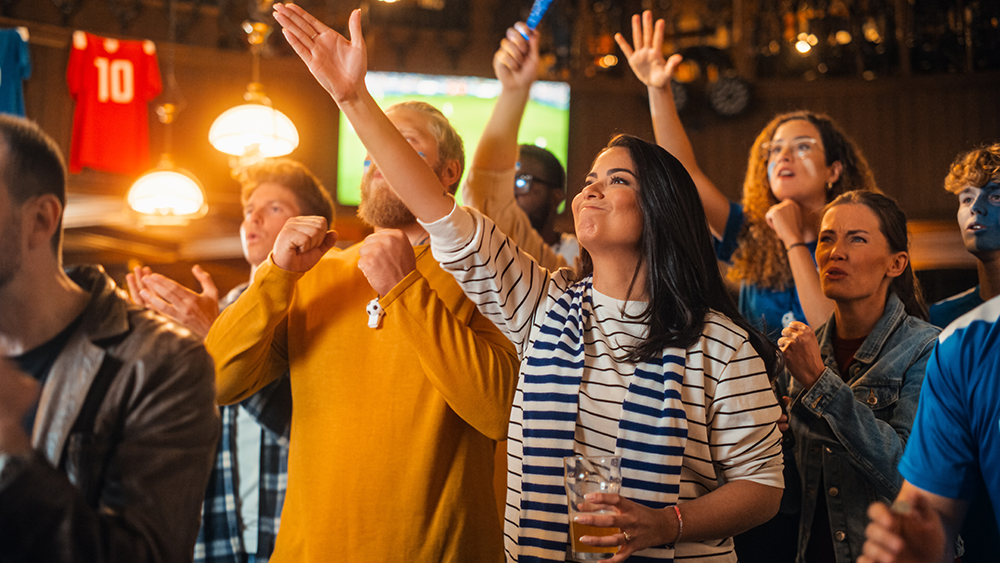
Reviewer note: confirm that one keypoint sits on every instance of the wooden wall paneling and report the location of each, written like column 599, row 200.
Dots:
column 722, row 148
column 870, row 121
column 904, row 133
column 937, row 140
column 46, row 95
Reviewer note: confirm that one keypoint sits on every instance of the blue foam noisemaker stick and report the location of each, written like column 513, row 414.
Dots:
column 538, row 10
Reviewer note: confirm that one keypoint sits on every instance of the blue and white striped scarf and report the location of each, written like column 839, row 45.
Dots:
column 652, row 430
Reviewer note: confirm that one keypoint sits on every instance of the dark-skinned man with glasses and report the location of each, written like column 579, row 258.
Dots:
column 527, row 213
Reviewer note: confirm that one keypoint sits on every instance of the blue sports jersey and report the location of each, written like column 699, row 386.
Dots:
column 768, row 310
column 944, row 312
column 954, row 448
column 15, row 67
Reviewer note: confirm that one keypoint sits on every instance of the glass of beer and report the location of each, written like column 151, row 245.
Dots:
column 586, row 475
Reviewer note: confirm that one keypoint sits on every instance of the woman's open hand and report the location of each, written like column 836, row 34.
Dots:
column 338, row 64
column 645, row 56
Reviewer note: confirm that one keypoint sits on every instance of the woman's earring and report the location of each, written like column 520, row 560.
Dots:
column 829, row 186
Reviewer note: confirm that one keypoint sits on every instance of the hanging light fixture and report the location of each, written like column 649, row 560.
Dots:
column 168, row 195
column 255, row 130
column 167, row 191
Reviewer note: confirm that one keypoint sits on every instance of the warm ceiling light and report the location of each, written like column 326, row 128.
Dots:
column 167, row 195
column 254, row 130
column 802, row 46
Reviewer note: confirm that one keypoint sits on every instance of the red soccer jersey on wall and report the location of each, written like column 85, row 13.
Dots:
column 112, row 82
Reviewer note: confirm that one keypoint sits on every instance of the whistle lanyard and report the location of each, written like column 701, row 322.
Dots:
column 374, row 310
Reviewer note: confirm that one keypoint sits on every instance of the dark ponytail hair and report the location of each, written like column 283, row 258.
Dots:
column 682, row 274
column 892, row 224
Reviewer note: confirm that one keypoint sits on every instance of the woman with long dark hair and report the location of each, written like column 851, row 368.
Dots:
column 854, row 382
column 645, row 356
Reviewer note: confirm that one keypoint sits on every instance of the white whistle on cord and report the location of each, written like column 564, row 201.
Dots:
column 375, row 312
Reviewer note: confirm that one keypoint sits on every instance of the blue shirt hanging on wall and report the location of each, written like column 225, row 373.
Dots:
column 15, row 67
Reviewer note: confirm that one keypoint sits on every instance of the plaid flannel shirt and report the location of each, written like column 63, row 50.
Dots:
column 221, row 536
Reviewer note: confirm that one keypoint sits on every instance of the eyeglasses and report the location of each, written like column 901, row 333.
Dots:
column 801, row 147
column 524, row 182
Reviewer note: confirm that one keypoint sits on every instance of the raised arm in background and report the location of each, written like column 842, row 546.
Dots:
column 645, row 57
column 489, row 183
column 516, row 66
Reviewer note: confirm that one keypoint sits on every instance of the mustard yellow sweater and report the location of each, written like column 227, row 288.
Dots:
column 393, row 428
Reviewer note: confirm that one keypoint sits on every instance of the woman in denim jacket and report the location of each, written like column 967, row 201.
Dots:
column 853, row 385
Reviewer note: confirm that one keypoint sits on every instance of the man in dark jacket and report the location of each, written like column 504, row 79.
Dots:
column 117, row 401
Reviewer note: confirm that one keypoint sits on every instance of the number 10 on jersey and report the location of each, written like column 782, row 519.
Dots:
column 115, row 80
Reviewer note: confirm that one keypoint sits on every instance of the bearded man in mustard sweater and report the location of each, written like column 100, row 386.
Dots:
column 400, row 386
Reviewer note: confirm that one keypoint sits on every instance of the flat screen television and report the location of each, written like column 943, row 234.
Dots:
column 467, row 103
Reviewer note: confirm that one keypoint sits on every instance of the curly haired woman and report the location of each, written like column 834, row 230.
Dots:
column 799, row 162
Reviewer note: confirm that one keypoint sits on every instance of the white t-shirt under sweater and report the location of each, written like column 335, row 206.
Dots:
column 603, row 387
column 730, row 409
column 569, row 248
column 248, row 441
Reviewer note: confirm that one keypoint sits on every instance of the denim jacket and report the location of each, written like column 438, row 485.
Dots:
column 852, row 435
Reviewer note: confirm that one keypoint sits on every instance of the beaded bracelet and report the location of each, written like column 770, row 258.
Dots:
column 680, row 527
column 793, row 245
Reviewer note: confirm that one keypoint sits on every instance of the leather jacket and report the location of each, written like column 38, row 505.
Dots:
column 850, row 435
column 124, row 482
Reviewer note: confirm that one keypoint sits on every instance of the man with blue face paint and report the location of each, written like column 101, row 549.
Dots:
column 951, row 458
column 975, row 177
column 984, row 204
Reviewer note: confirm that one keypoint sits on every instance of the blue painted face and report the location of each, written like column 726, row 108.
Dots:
column 979, row 218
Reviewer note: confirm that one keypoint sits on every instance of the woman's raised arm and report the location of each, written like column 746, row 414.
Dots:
column 340, row 67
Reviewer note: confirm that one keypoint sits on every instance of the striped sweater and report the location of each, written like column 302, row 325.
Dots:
column 685, row 423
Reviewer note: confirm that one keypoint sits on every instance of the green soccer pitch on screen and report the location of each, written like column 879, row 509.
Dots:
column 467, row 103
